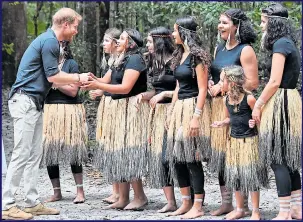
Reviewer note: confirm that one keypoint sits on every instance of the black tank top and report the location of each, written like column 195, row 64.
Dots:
column 240, row 114
column 188, row 85
column 167, row 82
column 225, row 58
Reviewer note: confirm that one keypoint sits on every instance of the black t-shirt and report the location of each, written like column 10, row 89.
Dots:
column 188, row 85
column 225, row 58
column 102, row 74
column 239, row 119
column 137, row 63
column 56, row 96
column 292, row 65
column 166, row 82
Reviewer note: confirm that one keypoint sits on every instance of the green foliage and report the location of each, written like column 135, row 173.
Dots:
column 14, row 3
column 149, row 14
column 8, row 48
column 44, row 18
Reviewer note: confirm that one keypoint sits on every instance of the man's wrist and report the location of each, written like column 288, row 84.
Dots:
column 78, row 77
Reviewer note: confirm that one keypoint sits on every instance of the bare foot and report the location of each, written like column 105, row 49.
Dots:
column 136, row 204
column 111, row 199
column 224, row 209
column 53, row 198
column 168, row 208
column 255, row 216
column 79, row 198
column 247, row 212
column 193, row 213
column 283, row 216
column 118, row 205
column 296, row 213
column 236, row 215
column 185, row 207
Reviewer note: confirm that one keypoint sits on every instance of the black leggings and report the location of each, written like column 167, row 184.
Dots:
column 191, row 174
column 167, row 177
column 286, row 180
column 53, row 171
column 221, row 178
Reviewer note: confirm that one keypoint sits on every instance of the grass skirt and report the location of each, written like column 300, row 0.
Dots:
column 103, row 121
column 244, row 169
column 281, row 129
column 64, row 134
column 181, row 147
column 219, row 136
column 157, row 145
column 125, row 140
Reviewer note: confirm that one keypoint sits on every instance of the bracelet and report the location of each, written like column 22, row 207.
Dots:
column 259, row 103
column 197, row 112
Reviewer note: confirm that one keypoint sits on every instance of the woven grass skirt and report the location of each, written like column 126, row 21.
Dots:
column 281, row 129
column 181, row 147
column 219, row 136
column 102, row 130
column 125, row 155
column 157, row 145
column 64, row 134
column 244, row 169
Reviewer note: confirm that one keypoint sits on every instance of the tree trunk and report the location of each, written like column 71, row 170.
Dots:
column 13, row 31
column 36, row 16
column 51, row 9
column 98, row 37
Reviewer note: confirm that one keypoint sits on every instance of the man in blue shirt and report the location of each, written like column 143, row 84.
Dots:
column 38, row 72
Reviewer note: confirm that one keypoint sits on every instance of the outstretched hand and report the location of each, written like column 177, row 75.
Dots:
column 218, row 124
column 91, row 84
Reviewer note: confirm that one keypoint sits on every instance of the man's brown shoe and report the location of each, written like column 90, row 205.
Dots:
column 14, row 213
column 40, row 209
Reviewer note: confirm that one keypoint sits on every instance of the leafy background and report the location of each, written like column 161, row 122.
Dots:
column 98, row 16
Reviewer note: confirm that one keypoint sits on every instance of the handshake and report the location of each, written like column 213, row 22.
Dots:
column 88, row 81
column 86, row 77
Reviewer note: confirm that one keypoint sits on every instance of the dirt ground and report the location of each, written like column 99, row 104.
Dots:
column 96, row 189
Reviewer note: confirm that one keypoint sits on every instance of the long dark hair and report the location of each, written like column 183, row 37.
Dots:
column 163, row 49
column 277, row 27
column 135, row 43
column 187, row 28
column 246, row 31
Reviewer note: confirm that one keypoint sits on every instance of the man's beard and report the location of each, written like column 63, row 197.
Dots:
column 263, row 39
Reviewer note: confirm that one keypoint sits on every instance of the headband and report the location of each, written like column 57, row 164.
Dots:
column 189, row 29
column 112, row 38
column 274, row 16
column 161, row 36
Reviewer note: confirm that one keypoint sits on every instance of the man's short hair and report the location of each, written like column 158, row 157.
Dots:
column 65, row 15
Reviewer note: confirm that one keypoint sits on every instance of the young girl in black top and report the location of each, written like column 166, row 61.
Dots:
column 110, row 39
column 237, row 33
column 189, row 118
column 125, row 143
column 160, row 46
column 244, row 170
column 65, row 129
column 281, row 127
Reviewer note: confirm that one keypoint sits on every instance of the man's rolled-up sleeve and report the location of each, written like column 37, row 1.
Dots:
column 50, row 57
